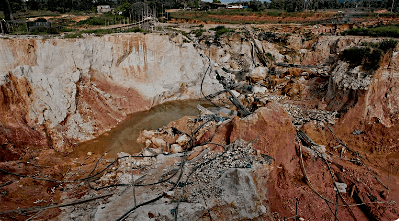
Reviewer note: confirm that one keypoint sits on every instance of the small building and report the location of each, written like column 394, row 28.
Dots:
column 217, row 5
column 103, row 9
column 235, row 7
column 31, row 25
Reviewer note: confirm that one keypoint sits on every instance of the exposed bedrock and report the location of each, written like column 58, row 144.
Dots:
column 70, row 90
column 58, row 92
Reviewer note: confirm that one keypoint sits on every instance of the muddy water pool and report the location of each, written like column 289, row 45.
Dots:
column 123, row 137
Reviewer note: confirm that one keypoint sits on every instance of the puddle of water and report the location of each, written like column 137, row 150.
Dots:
column 123, row 137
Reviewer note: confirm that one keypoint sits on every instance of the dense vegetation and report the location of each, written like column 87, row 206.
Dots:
column 380, row 31
column 369, row 55
column 127, row 6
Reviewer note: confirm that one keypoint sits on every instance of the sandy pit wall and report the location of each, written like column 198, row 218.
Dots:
column 57, row 92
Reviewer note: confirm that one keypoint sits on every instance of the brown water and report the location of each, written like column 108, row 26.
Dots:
column 123, row 137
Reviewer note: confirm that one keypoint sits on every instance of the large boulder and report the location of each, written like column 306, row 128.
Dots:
column 258, row 73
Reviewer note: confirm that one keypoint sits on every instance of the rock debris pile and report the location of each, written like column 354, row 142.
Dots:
column 192, row 188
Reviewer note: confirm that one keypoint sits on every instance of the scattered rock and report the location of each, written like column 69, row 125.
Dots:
column 341, row 187
column 146, row 152
column 148, row 143
column 258, row 73
column 159, row 143
column 183, row 140
column 170, row 194
column 259, row 90
column 148, row 134
column 357, row 132
column 122, row 155
column 176, row 148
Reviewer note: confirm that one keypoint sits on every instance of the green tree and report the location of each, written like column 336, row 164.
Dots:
column 7, row 9
column 125, row 9
column 255, row 5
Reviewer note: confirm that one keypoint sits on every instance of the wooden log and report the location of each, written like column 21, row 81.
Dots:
column 260, row 53
column 243, row 110
column 210, row 96
column 227, row 84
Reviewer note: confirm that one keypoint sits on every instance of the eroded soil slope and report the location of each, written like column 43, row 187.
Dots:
column 312, row 128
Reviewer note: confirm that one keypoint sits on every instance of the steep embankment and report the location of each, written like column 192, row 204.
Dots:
column 59, row 91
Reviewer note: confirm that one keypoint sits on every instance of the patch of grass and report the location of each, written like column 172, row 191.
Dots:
column 104, row 19
column 44, row 31
column 274, row 13
column 388, row 15
column 101, row 32
column 137, row 29
column 220, row 30
column 369, row 44
column 380, row 31
column 93, row 21
column 74, row 35
column 270, row 56
column 198, row 32
column 22, row 15
column 384, row 45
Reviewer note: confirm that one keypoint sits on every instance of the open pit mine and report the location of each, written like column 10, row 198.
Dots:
column 265, row 122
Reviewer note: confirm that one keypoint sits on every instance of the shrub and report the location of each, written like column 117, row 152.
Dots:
column 136, row 29
column 270, row 56
column 372, row 60
column 355, row 55
column 380, row 31
column 387, row 45
column 220, row 30
column 367, row 57
column 198, row 32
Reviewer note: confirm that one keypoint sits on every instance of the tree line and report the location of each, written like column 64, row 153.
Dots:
column 83, row 5
column 128, row 6
column 300, row 5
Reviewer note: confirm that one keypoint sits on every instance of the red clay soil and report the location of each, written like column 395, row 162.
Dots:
column 256, row 18
column 17, row 192
column 262, row 18
column 287, row 188
column 273, row 134
column 300, row 17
